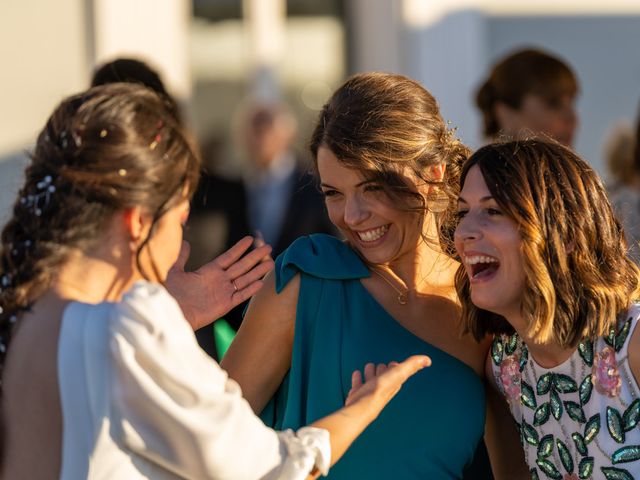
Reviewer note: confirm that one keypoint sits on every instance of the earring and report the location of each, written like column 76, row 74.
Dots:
column 437, row 201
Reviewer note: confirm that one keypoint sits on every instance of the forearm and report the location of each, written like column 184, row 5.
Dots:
column 346, row 425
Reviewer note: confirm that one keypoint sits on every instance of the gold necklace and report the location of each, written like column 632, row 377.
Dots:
column 403, row 296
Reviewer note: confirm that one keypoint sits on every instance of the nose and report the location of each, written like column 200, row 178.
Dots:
column 355, row 211
column 467, row 230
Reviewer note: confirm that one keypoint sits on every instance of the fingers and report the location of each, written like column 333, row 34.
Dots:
column 249, row 261
column 259, row 239
column 246, row 293
column 183, row 256
column 256, row 273
column 403, row 370
column 369, row 371
column 356, row 380
column 228, row 258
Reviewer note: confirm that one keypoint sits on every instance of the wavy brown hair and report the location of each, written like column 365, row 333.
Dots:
column 578, row 275
column 521, row 73
column 110, row 148
column 382, row 124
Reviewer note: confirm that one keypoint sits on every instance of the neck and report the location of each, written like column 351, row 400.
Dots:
column 94, row 278
column 425, row 269
column 547, row 355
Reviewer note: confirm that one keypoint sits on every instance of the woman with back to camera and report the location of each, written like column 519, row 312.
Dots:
column 101, row 373
column 546, row 270
column 529, row 92
column 388, row 168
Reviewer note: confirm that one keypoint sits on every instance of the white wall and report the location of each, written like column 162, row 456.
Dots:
column 604, row 53
column 449, row 46
column 44, row 58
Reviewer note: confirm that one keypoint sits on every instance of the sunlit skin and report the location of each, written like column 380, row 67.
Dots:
column 537, row 115
column 382, row 234
column 166, row 241
column 490, row 248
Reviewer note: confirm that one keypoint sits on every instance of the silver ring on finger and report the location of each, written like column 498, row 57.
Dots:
column 235, row 287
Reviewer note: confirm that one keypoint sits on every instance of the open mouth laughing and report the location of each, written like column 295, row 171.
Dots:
column 481, row 266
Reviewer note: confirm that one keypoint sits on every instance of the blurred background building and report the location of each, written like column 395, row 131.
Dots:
column 216, row 55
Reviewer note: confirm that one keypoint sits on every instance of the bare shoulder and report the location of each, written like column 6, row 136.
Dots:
column 31, row 403
column 260, row 354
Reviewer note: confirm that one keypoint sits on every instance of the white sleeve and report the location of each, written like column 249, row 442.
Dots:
column 176, row 407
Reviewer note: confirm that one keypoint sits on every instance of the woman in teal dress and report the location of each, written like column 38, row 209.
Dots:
column 388, row 167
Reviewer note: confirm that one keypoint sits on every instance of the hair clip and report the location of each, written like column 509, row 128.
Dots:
column 156, row 141
column 40, row 199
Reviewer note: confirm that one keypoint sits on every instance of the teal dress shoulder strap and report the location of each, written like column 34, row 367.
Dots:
column 319, row 259
column 321, row 256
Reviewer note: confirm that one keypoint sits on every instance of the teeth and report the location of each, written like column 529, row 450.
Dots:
column 374, row 234
column 479, row 259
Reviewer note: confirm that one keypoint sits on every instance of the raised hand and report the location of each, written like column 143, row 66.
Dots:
column 218, row 286
column 383, row 381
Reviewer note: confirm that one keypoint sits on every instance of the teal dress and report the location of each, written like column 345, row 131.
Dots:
column 430, row 430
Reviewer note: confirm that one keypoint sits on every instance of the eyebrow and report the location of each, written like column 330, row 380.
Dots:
column 482, row 200
column 364, row 182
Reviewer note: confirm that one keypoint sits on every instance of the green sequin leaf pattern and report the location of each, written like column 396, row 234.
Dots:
column 529, row 434
column 546, row 446
column 544, row 384
column 497, row 351
column 613, row 473
column 524, row 357
column 592, row 428
column 556, row 405
column 575, row 411
column 565, row 456
column 585, row 349
column 564, row 383
column 631, row 415
column 610, row 338
column 511, row 344
column 542, row 414
column 586, row 387
column 526, row 395
column 548, row 468
column 621, row 337
column 630, row 453
column 614, row 425
column 534, row 474
column 585, row 468
column 581, row 446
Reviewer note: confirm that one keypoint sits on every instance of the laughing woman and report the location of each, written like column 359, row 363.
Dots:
column 546, row 270
column 101, row 373
column 388, row 167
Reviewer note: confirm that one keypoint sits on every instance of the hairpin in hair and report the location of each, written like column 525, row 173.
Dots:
column 41, row 198
column 158, row 137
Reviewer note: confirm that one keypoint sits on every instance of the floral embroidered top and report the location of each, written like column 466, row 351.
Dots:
column 580, row 419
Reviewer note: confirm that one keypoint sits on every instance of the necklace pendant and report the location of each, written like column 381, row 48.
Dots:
column 402, row 298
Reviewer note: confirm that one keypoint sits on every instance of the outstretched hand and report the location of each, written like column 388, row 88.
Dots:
column 225, row 282
column 383, row 381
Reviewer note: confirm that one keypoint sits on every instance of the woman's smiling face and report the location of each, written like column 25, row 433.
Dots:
column 490, row 248
column 364, row 214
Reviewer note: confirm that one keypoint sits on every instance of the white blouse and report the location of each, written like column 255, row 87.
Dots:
column 140, row 399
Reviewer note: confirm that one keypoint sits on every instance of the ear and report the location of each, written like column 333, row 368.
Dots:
column 135, row 222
